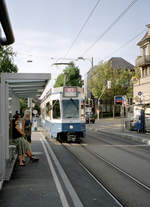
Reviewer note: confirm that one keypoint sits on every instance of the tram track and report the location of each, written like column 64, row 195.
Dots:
column 88, row 170
column 65, row 176
column 121, row 147
column 118, row 169
column 141, row 187
column 125, row 141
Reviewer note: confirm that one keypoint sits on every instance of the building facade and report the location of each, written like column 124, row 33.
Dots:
column 141, row 90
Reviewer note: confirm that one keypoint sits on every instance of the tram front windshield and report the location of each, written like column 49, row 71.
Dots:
column 70, row 108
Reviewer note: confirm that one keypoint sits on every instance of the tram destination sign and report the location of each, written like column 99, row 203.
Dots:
column 70, row 91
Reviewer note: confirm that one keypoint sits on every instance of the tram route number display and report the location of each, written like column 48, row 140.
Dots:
column 70, row 91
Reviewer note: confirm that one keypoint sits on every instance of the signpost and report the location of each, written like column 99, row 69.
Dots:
column 134, row 80
column 140, row 95
column 124, row 100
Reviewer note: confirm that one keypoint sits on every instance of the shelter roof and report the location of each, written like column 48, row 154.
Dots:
column 26, row 85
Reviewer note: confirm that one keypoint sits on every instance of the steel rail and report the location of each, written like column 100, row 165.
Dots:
column 94, row 177
column 126, row 141
column 144, row 186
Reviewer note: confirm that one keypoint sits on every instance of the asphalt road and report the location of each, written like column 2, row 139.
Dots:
column 101, row 171
column 123, row 166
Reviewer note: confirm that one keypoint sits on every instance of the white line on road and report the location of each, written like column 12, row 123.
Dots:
column 123, row 145
column 57, row 182
column 75, row 199
column 117, row 168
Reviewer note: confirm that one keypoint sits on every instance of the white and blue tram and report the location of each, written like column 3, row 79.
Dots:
column 62, row 113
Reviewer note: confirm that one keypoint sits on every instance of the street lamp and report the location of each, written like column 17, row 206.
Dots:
column 86, row 77
column 29, row 61
column 90, row 60
column 61, row 64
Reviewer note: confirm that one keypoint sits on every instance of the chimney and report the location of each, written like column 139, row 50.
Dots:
column 148, row 29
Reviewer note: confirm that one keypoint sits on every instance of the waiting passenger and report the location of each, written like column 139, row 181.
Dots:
column 27, row 126
column 21, row 144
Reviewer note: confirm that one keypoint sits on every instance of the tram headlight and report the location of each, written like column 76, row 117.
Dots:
column 71, row 126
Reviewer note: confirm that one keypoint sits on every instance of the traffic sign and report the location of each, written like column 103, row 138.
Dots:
column 35, row 112
column 139, row 93
column 134, row 80
column 124, row 100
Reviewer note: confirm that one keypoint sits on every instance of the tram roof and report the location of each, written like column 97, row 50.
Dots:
column 26, row 85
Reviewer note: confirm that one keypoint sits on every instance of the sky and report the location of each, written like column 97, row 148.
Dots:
column 44, row 30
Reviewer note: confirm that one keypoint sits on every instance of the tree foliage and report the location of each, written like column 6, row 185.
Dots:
column 120, row 81
column 23, row 106
column 73, row 77
column 6, row 60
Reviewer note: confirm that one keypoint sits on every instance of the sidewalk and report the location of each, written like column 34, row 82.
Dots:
column 115, row 126
column 32, row 185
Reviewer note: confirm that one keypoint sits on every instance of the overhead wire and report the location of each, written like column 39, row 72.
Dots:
column 82, row 27
column 125, row 44
column 110, row 26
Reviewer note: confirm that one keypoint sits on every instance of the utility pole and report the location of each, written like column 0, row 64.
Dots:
column 108, row 86
column 65, row 76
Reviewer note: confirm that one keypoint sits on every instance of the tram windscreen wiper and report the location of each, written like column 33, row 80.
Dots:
column 74, row 103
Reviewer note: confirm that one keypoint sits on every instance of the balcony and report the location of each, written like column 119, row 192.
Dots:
column 143, row 60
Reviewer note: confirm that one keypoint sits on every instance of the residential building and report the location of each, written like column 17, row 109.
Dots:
column 141, row 90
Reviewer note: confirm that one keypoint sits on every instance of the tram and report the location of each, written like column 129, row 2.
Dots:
column 62, row 113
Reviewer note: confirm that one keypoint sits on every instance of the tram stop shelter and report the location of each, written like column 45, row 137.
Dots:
column 14, row 86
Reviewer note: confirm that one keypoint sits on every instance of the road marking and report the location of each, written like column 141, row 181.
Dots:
column 117, row 168
column 118, row 145
column 102, row 186
column 37, row 153
column 57, row 182
column 75, row 199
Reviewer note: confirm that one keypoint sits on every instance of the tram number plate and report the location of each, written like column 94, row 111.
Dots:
column 70, row 92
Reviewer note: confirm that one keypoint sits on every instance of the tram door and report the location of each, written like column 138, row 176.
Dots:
column 0, row 136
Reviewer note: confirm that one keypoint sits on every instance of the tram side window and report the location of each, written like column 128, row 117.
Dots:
column 56, row 109
column 43, row 113
column 48, row 109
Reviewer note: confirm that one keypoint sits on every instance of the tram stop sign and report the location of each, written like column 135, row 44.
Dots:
column 35, row 112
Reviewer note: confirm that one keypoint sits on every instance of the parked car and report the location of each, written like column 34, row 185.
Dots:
column 89, row 117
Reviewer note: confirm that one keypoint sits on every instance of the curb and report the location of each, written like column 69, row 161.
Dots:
column 125, row 136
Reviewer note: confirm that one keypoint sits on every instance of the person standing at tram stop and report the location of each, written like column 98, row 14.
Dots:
column 21, row 144
column 27, row 126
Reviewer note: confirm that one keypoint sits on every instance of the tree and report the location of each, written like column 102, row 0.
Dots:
column 23, row 106
column 120, row 82
column 73, row 77
column 6, row 60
